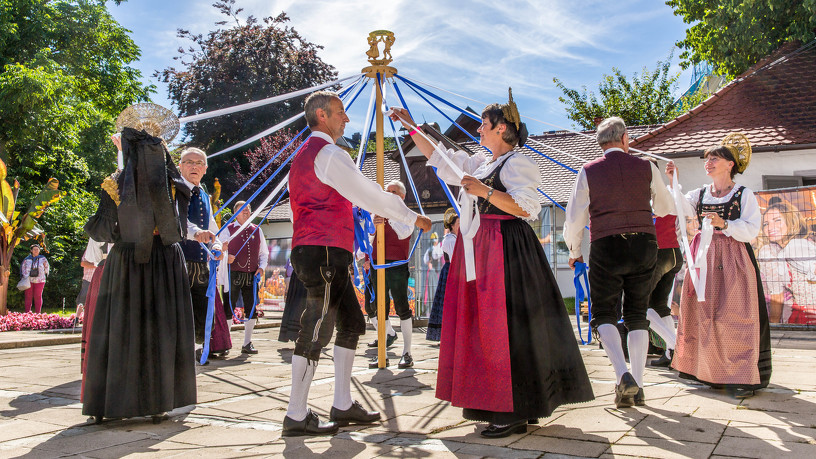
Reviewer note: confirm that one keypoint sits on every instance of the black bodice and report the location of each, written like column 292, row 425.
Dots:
column 729, row 210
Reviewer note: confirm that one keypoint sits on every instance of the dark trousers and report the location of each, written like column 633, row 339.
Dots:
column 242, row 284
column 622, row 263
column 396, row 284
column 330, row 300
column 83, row 292
column 669, row 263
column 199, row 274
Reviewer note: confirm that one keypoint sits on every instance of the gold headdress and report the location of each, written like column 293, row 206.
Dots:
column 740, row 147
column 449, row 217
column 510, row 110
column 153, row 119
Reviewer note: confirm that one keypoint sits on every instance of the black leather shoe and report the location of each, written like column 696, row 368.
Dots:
column 406, row 361
column 663, row 361
column 640, row 398
column 389, row 340
column 310, row 425
column 625, row 391
column 356, row 414
column 742, row 393
column 494, row 431
column 248, row 349
column 198, row 357
column 375, row 363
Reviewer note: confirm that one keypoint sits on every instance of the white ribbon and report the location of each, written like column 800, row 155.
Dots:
column 697, row 264
column 265, row 133
column 259, row 103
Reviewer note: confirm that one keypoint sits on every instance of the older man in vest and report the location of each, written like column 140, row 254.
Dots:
column 397, row 248
column 201, row 226
column 323, row 184
column 617, row 194
column 247, row 257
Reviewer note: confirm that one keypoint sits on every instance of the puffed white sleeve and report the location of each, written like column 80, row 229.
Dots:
column 401, row 229
column 521, row 177
column 746, row 228
column 467, row 163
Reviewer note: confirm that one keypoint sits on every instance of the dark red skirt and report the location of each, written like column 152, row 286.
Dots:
column 508, row 351
column 87, row 320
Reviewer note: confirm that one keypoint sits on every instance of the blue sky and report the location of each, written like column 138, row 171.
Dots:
column 474, row 48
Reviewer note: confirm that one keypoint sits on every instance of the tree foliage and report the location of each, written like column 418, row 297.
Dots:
column 65, row 74
column 242, row 61
column 735, row 34
column 641, row 100
column 257, row 157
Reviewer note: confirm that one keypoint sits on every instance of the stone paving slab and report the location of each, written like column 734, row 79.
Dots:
column 242, row 402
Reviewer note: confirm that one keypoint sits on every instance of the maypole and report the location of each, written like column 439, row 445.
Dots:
column 379, row 71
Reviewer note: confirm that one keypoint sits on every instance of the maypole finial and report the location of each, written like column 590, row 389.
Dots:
column 379, row 61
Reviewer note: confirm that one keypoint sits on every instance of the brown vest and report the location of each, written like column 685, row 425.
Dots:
column 619, row 195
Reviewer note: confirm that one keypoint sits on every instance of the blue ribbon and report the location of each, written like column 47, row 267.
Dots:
column 211, row 292
column 581, row 273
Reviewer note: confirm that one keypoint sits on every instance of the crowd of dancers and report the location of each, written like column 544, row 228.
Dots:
column 507, row 355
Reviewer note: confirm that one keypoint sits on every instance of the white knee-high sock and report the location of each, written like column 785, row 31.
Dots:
column 638, row 342
column 611, row 340
column 659, row 325
column 407, row 327
column 669, row 321
column 389, row 330
column 302, row 374
column 343, row 362
column 374, row 323
column 249, row 325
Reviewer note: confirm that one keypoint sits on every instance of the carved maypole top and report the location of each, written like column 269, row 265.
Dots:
column 379, row 61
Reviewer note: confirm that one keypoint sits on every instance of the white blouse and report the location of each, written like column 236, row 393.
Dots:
column 520, row 175
column 744, row 229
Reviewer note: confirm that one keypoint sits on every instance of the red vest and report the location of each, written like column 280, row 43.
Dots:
column 321, row 215
column 396, row 249
column 619, row 195
column 666, row 235
column 247, row 259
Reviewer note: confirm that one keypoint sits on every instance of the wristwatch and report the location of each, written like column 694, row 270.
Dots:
column 725, row 225
column 489, row 194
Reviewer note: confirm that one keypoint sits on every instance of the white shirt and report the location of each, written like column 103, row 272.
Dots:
column 263, row 250
column 334, row 167
column 577, row 216
column 448, row 243
column 520, row 175
column 745, row 228
column 403, row 230
column 192, row 228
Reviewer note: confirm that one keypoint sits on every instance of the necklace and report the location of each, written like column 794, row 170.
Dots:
column 720, row 193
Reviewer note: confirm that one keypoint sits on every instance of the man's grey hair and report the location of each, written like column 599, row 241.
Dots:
column 611, row 130
column 399, row 185
column 318, row 99
column 238, row 205
column 193, row 151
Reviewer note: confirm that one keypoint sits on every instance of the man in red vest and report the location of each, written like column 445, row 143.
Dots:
column 323, row 184
column 397, row 248
column 248, row 256
column 616, row 194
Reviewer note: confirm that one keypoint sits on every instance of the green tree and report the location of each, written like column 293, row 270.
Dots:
column 65, row 74
column 734, row 34
column 641, row 100
column 246, row 61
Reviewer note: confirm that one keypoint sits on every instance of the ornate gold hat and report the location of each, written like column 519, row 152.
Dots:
column 739, row 146
column 153, row 119
column 510, row 110
column 450, row 216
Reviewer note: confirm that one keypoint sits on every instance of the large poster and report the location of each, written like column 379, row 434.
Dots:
column 786, row 254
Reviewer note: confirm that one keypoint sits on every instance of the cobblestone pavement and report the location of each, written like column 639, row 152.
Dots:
column 242, row 402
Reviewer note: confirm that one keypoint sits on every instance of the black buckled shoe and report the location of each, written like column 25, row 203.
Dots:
column 248, row 349
column 389, row 340
column 406, row 361
column 625, row 391
column 356, row 415
column 640, row 398
column 310, row 425
column 663, row 361
column 496, row 431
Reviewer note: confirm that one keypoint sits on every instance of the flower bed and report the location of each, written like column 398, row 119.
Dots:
column 16, row 321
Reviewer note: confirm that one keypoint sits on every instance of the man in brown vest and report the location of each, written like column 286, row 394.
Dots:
column 617, row 194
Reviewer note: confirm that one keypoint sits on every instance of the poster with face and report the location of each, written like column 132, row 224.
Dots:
column 786, row 254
